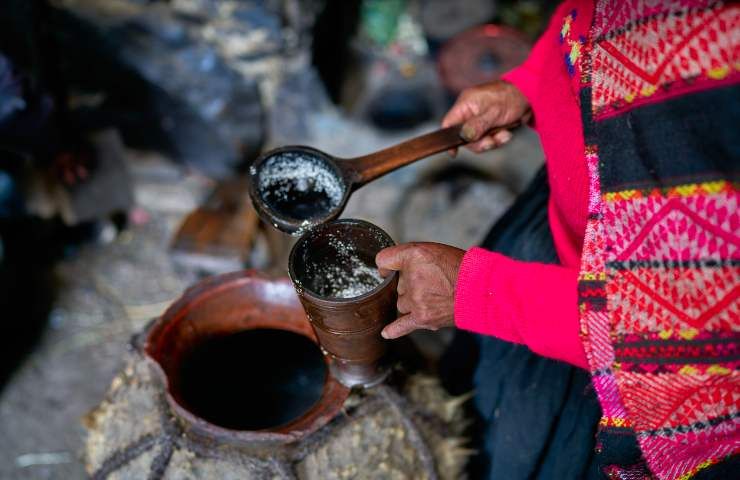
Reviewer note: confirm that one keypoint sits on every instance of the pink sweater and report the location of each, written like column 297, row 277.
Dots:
column 525, row 302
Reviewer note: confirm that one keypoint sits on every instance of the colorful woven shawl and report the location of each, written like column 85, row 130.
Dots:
column 659, row 288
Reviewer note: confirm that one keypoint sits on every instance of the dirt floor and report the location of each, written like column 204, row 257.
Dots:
column 108, row 291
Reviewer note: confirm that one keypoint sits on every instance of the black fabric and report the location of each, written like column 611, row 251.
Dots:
column 618, row 455
column 724, row 470
column 684, row 139
column 537, row 416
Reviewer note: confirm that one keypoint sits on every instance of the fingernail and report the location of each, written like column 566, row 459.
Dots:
column 488, row 144
column 504, row 136
column 383, row 334
column 467, row 133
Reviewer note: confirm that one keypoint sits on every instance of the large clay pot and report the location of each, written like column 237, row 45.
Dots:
column 146, row 428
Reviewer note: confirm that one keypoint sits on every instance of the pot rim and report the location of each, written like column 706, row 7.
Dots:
column 329, row 301
column 319, row 414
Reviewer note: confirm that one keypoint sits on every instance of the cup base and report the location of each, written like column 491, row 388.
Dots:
column 365, row 376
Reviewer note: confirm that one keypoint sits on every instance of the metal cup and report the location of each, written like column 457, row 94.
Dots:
column 348, row 329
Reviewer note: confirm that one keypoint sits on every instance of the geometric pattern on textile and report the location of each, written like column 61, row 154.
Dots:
column 595, row 332
column 680, row 458
column 602, row 358
column 663, row 56
column 686, row 352
column 592, row 254
column 675, row 229
column 671, row 403
column 645, row 300
column 660, row 310
column 673, row 290
column 684, row 423
column 610, row 15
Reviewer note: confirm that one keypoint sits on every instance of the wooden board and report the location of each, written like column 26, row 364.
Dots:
column 218, row 235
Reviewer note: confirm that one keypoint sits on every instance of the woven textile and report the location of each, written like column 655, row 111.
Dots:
column 643, row 54
column 659, row 288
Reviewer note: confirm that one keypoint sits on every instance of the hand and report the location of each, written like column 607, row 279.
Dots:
column 484, row 107
column 426, row 286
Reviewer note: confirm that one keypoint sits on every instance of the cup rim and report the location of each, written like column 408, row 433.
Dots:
column 336, row 300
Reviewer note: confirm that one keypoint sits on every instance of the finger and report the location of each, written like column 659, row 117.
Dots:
column 476, row 128
column 401, row 288
column 384, row 272
column 393, row 258
column 490, row 142
column 452, row 152
column 403, row 305
column 483, row 145
column 399, row 328
column 467, row 105
column 457, row 114
column 502, row 137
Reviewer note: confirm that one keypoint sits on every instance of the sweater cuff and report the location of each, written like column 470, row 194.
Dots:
column 475, row 295
column 526, row 81
column 521, row 302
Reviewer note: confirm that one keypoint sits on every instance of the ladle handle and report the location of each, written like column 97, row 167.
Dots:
column 369, row 167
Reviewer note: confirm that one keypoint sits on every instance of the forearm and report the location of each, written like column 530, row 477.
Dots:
column 523, row 302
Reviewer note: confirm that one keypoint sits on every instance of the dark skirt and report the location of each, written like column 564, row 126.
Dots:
column 537, row 417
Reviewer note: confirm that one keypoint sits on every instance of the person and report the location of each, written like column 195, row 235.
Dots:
column 636, row 106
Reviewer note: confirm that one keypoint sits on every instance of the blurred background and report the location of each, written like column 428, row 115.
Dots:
column 125, row 126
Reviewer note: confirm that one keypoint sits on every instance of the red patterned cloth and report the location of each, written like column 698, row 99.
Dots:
column 649, row 51
column 659, row 88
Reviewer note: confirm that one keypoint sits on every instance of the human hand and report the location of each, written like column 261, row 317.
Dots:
column 426, row 285
column 485, row 107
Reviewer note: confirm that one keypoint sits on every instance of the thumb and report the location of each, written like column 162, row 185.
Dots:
column 392, row 258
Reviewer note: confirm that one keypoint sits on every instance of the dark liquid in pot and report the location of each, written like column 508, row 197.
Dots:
column 252, row 380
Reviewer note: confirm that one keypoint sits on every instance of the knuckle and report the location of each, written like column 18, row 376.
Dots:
column 421, row 253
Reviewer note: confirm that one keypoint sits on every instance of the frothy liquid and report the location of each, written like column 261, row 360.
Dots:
column 347, row 274
column 299, row 186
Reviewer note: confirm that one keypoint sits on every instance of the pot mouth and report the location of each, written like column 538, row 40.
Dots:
column 224, row 379
column 296, row 188
column 240, row 362
column 335, row 262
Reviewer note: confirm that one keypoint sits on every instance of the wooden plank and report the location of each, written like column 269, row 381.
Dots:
column 218, row 235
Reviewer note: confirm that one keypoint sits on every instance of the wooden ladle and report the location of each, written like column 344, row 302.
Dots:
column 296, row 187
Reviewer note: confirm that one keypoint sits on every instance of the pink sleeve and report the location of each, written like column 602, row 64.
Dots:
column 522, row 302
column 526, row 75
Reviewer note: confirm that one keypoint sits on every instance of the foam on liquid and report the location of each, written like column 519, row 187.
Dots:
column 299, row 186
column 346, row 274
